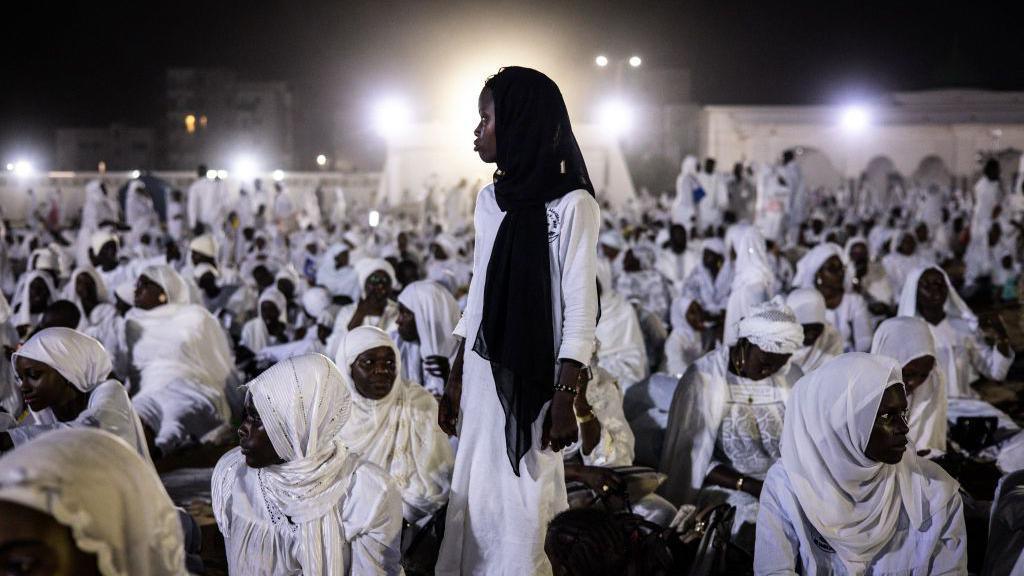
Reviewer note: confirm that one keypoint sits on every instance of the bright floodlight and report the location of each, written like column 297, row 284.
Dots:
column 616, row 117
column 321, row 160
column 23, row 168
column 278, row 175
column 245, row 168
column 211, row 174
column 222, row 174
column 601, row 60
column 374, row 218
column 391, row 117
column 855, row 118
column 135, row 174
column 635, row 61
column 10, row 167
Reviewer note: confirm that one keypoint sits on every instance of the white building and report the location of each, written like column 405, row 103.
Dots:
column 918, row 134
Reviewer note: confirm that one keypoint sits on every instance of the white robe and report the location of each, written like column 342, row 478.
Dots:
column 621, row 349
column 853, row 322
column 826, row 347
column 496, row 520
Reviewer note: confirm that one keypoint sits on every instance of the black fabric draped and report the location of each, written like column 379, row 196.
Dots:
column 538, row 161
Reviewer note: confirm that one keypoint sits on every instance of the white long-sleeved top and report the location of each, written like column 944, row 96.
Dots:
column 963, row 355
column 790, row 546
column 853, row 322
column 495, row 522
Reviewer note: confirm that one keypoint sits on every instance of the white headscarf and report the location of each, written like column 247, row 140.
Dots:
column 905, row 339
column 23, row 313
column 808, row 305
column 851, row 500
column 808, row 266
column 205, row 244
column 304, row 405
column 398, row 432
column 772, row 327
column 102, row 294
column 80, row 359
column 315, row 301
column 955, row 305
column 99, row 239
column 436, row 313
column 170, row 281
column 107, row 495
column 338, row 281
column 752, row 265
column 367, row 266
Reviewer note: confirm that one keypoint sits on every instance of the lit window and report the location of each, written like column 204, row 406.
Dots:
column 202, row 122
column 190, row 124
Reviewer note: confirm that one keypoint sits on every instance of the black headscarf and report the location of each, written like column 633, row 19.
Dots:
column 538, row 161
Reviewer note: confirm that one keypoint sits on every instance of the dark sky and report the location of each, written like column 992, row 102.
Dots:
column 92, row 63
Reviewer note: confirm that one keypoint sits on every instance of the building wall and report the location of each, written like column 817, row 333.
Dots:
column 907, row 130
column 242, row 118
column 119, row 147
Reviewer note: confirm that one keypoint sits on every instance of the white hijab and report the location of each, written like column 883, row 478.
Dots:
column 170, row 281
column 437, row 313
column 23, row 313
column 399, row 432
column 80, row 359
column 304, row 405
column 905, row 339
column 955, row 305
column 102, row 293
column 107, row 495
column 851, row 500
column 808, row 266
column 752, row 265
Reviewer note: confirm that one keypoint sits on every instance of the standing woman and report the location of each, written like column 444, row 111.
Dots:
column 536, row 241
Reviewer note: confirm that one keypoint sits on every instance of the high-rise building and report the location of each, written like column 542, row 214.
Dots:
column 213, row 117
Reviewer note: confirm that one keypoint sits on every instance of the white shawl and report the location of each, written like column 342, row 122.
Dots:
column 852, row 501
column 399, row 432
column 905, row 339
column 436, row 313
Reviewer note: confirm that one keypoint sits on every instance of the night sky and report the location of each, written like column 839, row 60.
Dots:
column 92, row 63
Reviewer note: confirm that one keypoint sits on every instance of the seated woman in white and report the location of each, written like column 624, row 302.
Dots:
column 726, row 417
column 375, row 306
column 822, row 341
column 293, row 499
column 824, row 270
column 393, row 423
column 622, row 352
column 182, row 359
column 848, row 497
column 64, row 377
column 606, row 441
column 687, row 340
column 81, row 501
column 99, row 316
column 710, row 282
column 909, row 341
column 962, row 352
column 427, row 316
column 270, row 327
